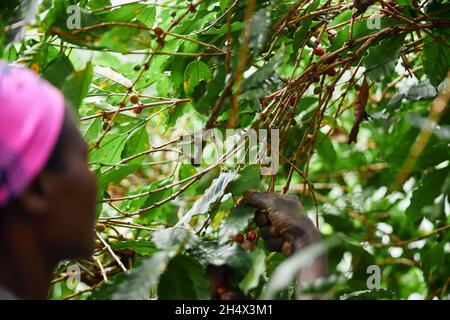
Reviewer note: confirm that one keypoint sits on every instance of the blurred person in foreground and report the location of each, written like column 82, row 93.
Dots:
column 48, row 194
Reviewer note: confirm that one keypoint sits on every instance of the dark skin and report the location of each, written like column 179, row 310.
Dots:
column 285, row 228
column 53, row 220
column 50, row 221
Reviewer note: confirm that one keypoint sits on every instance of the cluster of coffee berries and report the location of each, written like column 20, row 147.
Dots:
column 246, row 240
column 318, row 51
column 159, row 35
column 240, row 238
column 191, row 7
column 134, row 99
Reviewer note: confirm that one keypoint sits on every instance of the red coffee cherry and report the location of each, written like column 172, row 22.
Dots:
column 239, row 238
column 331, row 72
column 191, row 8
column 292, row 101
column 134, row 99
column 137, row 110
column 319, row 51
column 251, row 236
column 158, row 31
column 221, row 290
column 100, row 227
column 247, row 245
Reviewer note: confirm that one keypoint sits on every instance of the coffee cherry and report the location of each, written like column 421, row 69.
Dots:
column 134, row 99
column 317, row 90
column 191, row 8
column 292, row 101
column 158, row 31
column 331, row 72
column 238, row 238
column 251, row 236
column 173, row 14
column 105, row 125
column 136, row 67
column 247, row 245
column 316, row 78
column 137, row 110
column 160, row 42
column 318, row 51
column 221, row 290
column 100, row 227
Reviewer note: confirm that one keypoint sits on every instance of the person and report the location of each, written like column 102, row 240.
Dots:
column 48, row 194
column 285, row 228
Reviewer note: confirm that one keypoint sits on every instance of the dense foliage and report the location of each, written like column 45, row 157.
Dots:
column 140, row 76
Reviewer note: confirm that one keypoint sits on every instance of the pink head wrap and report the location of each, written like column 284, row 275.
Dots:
column 31, row 117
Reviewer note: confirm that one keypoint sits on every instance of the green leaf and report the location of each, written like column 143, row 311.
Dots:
column 420, row 91
column 408, row 3
column 110, row 149
column 138, row 282
column 107, row 289
column 129, row 12
column 259, row 30
column 435, row 152
column 236, row 221
column 184, row 279
column 211, row 195
column 58, row 70
column 382, row 58
column 263, row 73
column 299, row 36
column 171, row 239
column 252, row 279
column 248, row 177
column 360, row 29
column 195, row 72
column 436, row 57
column 232, row 255
column 326, row 151
column 136, row 143
column 430, row 188
column 213, row 89
column 98, row 4
column 374, row 294
column 287, row 270
column 116, row 39
column 76, row 86
column 148, row 200
column 141, row 247
column 235, row 26
column 22, row 14
column 147, row 15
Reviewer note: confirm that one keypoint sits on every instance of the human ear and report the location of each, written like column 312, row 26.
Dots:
column 35, row 198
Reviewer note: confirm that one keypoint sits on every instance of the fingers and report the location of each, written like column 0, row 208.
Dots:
column 260, row 200
column 287, row 248
column 269, row 231
column 261, row 218
column 267, row 200
column 274, row 244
